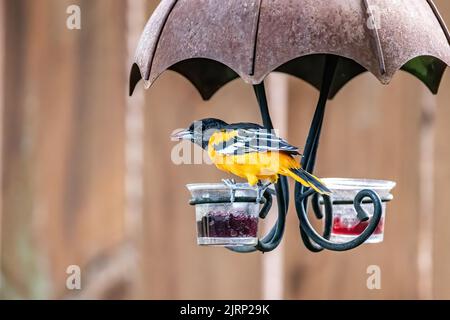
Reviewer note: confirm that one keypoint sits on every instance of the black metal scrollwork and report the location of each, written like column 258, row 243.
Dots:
column 312, row 240
column 324, row 242
column 307, row 232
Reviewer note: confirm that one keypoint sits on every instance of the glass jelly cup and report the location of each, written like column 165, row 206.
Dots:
column 346, row 225
column 225, row 223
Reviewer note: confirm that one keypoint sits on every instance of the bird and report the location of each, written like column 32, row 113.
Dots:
column 251, row 152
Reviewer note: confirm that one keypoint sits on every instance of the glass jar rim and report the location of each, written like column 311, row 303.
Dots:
column 218, row 186
column 350, row 183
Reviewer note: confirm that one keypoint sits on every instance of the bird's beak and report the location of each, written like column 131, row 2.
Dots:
column 184, row 134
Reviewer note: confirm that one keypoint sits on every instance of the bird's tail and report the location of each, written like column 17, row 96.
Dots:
column 308, row 180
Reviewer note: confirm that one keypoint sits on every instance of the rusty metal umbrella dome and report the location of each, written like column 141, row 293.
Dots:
column 324, row 42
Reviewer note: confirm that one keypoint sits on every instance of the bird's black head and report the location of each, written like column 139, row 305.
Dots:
column 199, row 132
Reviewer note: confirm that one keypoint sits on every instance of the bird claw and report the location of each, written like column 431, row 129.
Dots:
column 261, row 189
column 231, row 184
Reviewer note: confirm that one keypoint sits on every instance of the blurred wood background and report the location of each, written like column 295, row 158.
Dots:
column 64, row 171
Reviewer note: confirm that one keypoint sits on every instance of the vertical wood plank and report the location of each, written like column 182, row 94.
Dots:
column 2, row 81
column 94, row 178
column 427, row 161
column 22, row 274
column 273, row 263
column 64, row 142
column 134, row 145
column 441, row 230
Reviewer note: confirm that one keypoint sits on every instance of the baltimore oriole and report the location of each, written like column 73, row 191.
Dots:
column 249, row 151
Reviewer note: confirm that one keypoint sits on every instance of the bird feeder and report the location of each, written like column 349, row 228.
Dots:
column 222, row 221
column 324, row 42
column 347, row 225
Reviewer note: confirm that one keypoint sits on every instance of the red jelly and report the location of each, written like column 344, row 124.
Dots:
column 218, row 224
column 354, row 227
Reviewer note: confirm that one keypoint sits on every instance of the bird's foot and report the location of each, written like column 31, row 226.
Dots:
column 261, row 189
column 231, row 184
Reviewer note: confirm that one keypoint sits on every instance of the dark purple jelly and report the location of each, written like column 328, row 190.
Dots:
column 237, row 224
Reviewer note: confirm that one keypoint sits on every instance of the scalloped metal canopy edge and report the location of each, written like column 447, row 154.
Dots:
column 214, row 42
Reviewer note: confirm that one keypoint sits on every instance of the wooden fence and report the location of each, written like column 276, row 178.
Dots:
column 70, row 195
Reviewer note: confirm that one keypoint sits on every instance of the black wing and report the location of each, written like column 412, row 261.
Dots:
column 253, row 138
